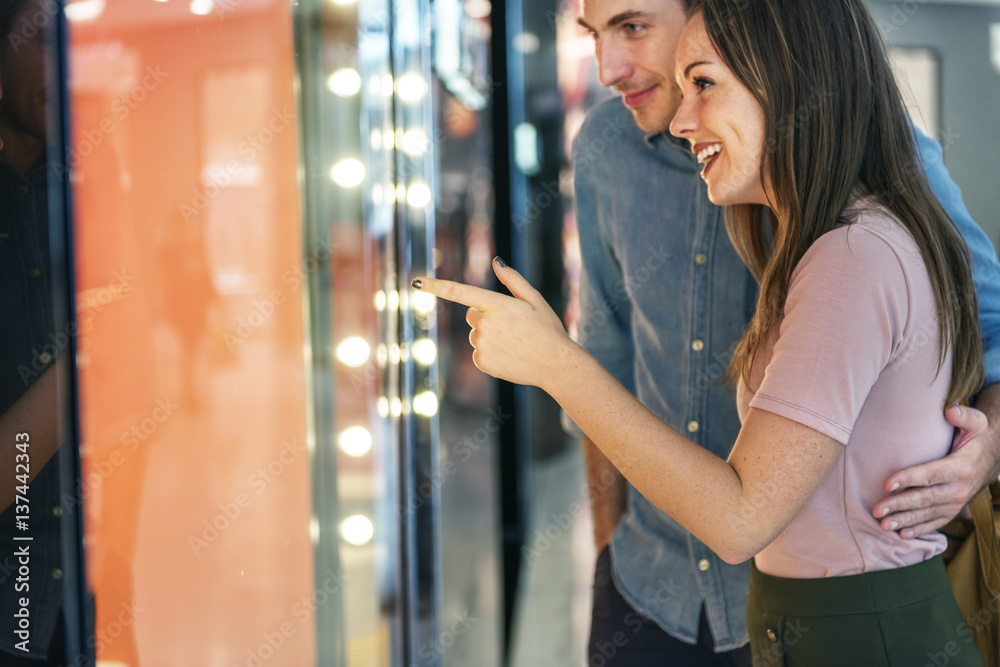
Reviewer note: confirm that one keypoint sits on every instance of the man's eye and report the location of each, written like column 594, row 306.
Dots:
column 633, row 28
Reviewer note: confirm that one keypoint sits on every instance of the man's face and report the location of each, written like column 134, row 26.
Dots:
column 636, row 45
column 22, row 74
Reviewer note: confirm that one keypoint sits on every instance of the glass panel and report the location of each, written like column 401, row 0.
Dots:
column 471, row 412
column 352, row 362
column 196, row 456
column 421, row 588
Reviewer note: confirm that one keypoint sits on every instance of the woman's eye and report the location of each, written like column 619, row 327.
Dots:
column 702, row 83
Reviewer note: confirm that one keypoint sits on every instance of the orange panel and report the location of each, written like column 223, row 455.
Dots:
column 196, row 469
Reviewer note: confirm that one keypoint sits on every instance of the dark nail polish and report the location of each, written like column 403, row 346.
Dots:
column 417, row 284
column 499, row 260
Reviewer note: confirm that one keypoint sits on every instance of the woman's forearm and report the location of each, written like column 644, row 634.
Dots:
column 735, row 507
column 698, row 489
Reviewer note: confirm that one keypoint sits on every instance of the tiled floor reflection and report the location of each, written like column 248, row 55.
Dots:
column 471, row 614
column 553, row 617
column 232, row 598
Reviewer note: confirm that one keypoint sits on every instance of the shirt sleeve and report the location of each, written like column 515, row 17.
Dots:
column 845, row 312
column 985, row 269
column 605, row 311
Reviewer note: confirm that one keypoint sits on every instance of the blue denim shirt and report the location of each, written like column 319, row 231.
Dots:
column 664, row 297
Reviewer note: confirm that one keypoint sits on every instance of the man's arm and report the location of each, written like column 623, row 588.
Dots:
column 34, row 414
column 605, row 330
column 925, row 497
column 932, row 494
column 606, row 488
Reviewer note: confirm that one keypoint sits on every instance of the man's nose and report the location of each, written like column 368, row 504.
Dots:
column 613, row 63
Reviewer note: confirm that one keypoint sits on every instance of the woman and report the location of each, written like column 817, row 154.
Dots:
column 791, row 107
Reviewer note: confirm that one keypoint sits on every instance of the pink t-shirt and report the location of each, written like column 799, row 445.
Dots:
column 855, row 357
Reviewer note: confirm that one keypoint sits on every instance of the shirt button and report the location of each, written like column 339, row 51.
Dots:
column 45, row 357
column 698, row 345
column 772, row 635
column 703, row 565
column 56, row 511
column 700, row 258
column 35, row 272
column 693, row 427
column 57, row 574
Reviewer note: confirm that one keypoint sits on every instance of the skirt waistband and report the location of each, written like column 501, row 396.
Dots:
column 851, row 594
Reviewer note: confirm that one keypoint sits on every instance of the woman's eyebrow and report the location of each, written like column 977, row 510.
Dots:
column 687, row 70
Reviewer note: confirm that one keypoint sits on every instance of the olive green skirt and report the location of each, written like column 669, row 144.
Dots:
column 905, row 617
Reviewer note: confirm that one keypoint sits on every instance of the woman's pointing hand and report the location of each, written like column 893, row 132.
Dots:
column 519, row 338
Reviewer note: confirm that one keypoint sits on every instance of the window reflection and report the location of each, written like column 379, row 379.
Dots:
column 192, row 389
column 33, row 352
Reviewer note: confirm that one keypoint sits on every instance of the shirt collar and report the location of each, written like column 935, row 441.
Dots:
column 654, row 138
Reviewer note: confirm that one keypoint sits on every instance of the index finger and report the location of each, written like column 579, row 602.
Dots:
column 467, row 295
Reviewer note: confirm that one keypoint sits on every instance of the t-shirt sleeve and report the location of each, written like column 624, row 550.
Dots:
column 844, row 317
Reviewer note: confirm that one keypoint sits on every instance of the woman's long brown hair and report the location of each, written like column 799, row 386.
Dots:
column 836, row 131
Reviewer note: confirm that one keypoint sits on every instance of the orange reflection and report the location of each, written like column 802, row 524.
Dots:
column 196, row 470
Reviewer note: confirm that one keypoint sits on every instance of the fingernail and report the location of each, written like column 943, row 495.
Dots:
column 499, row 260
column 885, row 510
column 893, row 525
column 894, row 486
column 417, row 284
column 958, row 410
column 908, row 534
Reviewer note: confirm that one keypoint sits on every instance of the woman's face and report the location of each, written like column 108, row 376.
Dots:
column 721, row 119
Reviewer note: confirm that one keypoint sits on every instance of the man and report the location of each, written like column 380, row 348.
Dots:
column 663, row 298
